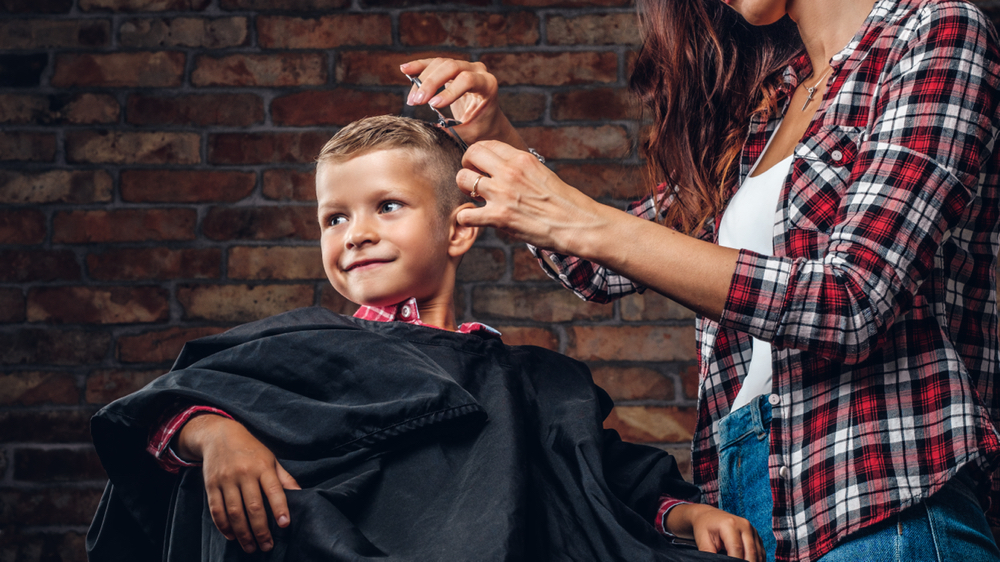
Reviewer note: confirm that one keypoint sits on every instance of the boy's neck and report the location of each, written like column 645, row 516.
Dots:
column 438, row 312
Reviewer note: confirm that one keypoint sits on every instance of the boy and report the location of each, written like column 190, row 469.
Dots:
column 413, row 443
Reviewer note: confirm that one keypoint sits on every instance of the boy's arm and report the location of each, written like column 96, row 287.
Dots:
column 236, row 468
column 714, row 530
column 163, row 433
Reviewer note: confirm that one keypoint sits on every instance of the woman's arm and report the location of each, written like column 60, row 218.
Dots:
column 932, row 129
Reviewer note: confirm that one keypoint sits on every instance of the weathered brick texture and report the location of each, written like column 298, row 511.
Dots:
column 156, row 186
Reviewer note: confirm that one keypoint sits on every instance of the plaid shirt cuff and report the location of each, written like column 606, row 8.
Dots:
column 756, row 299
column 666, row 504
column 163, row 434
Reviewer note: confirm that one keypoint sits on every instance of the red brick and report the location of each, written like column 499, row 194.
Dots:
column 380, row 67
column 158, row 346
column 290, row 185
column 482, row 264
column 39, row 547
column 27, row 147
column 534, row 303
column 420, row 3
column 519, row 107
column 57, row 465
column 526, row 267
column 22, row 227
column 287, row 69
column 690, row 380
column 38, row 265
column 468, row 29
column 85, row 109
column 265, row 148
column 261, row 223
column 124, row 225
column 233, row 110
column 205, row 33
column 143, row 5
column 578, row 143
column 326, row 32
column 241, row 303
column 616, row 181
column 634, row 383
column 552, row 69
column 98, row 305
column 283, row 5
column 601, row 104
column 11, row 305
column 58, row 186
column 276, row 262
column 52, row 347
column 334, row 301
column 35, row 6
column 132, row 264
column 125, row 147
column 594, row 29
column 567, row 3
column 185, row 186
column 332, row 107
column 48, row 506
column 30, row 388
column 161, row 69
column 110, row 385
column 651, row 306
column 45, row 426
column 652, row 424
column 527, row 335
column 631, row 343
column 54, row 34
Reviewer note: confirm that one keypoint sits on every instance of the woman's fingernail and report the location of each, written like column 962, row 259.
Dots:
column 283, row 520
column 434, row 101
column 266, row 546
column 402, row 68
column 418, row 98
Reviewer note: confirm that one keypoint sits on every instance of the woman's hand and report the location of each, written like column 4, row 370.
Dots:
column 527, row 200
column 237, row 468
column 471, row 94
column 715, row 530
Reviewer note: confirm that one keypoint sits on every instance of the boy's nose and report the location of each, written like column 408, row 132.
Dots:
column 362, row 232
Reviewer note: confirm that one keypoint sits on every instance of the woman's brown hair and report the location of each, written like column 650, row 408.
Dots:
column 702, row 71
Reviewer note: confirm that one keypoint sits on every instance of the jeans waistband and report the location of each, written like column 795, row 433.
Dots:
column 752, row 419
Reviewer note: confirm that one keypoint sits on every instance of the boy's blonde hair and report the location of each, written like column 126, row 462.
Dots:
column 441, row 155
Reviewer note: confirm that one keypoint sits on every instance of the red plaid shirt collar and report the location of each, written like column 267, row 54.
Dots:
column 408, row 312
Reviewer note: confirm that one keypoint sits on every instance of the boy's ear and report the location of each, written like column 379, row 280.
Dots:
column 460, row 237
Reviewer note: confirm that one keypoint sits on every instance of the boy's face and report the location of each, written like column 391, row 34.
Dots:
column 383, row 238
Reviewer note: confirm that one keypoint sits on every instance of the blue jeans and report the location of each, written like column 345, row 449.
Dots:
column 949, row 526
column 744, row 484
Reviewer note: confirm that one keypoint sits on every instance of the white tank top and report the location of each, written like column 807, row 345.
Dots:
column 748, row 224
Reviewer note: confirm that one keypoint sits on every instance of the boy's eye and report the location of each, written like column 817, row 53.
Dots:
column 337, row 219
column 390, row 206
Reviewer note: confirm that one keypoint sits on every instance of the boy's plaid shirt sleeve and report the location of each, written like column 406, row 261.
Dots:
column 880, row 300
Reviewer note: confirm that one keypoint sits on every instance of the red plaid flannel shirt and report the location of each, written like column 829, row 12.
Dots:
column 174, row 420
column 880, row 299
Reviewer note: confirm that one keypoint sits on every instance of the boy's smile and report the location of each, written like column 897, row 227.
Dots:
column 383, row 238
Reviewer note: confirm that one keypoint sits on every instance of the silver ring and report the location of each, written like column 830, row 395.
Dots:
column 475, row 194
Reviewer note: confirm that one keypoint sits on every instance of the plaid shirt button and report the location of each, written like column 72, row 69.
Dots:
column 774, row 399
column 783, row 472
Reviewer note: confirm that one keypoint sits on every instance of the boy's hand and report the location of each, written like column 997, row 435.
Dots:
column 714, row 530
column 236, row 468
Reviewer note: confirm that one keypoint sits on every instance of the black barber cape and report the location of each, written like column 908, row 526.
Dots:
column 410, row 443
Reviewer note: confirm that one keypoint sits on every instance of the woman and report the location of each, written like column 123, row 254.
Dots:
column 833, row 219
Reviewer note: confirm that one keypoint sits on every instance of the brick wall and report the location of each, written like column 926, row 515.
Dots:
column 156, row 186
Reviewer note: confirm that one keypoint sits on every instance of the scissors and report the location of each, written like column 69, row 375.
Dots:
column 443, row 121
